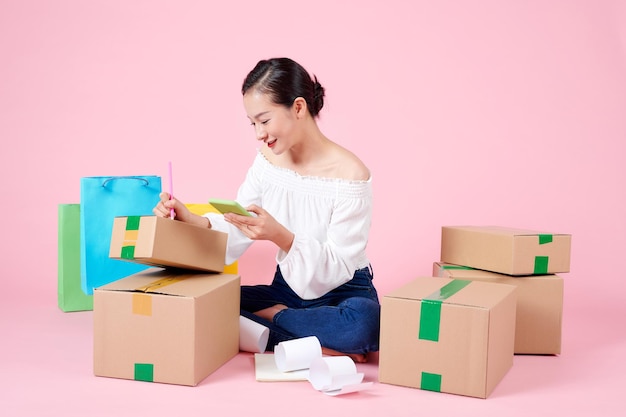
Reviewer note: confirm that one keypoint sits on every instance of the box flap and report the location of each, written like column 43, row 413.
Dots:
column 169, row 282
column 419, row 288
column 452, row 271
column 481, row 294
column 470, row 293
column 507, row 231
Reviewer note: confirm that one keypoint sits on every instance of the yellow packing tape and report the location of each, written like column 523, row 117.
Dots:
column 142, row 302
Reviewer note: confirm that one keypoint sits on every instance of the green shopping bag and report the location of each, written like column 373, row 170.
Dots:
column 70, row 294
column 101, row 200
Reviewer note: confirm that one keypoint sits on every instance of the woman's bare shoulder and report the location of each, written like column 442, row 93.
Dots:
column 352, row 167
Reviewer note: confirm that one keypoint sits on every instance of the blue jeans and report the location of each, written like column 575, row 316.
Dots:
column 347, row 319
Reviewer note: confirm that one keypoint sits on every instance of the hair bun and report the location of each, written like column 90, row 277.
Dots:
column 318, row 97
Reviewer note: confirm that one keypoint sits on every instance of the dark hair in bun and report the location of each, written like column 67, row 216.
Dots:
column 284, row 80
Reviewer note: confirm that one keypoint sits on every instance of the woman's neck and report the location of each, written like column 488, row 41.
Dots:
column 312, row 148
column 313, row 154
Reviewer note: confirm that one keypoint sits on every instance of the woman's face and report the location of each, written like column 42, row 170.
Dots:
column 273, row 123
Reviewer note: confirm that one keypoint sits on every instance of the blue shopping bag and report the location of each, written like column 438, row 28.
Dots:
column 101, row 200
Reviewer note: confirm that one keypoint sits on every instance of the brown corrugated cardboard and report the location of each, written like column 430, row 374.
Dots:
column 447, row 335
column 163, row 326
column 506, row 250
column 539, row 306
column 158, row 241
column 201, row 209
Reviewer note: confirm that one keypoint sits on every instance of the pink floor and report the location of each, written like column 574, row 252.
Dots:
column 46, row 370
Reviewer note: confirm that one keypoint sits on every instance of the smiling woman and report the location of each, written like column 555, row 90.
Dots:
column 283, row 102
column 313, row 199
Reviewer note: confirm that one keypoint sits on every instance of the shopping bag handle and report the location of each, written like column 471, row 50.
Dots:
column 145, row 181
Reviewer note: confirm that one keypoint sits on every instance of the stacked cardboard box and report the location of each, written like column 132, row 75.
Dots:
column 506, row 250
column 159, row 241
column 71, row 296
column 174, row 324
column 494, row 293
column 526, row 259
column 539, row 305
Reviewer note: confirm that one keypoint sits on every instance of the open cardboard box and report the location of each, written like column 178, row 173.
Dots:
column 166, row 326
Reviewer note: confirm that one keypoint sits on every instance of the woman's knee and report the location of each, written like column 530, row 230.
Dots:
column 364, row 315
column 362, row 307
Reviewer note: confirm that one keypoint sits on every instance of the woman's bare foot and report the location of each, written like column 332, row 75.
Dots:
column 356, row 357
column 269, row 313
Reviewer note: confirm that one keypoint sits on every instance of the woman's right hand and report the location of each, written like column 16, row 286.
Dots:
column 170, row 206
column 181, row 212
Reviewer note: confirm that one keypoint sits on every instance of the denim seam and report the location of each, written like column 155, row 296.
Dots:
column 277, row 316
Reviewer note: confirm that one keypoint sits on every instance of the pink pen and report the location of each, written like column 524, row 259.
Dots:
column 172, row 212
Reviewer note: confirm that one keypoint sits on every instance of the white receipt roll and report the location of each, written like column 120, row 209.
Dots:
column 333, row 372
column 296, row 354
column 252, row 336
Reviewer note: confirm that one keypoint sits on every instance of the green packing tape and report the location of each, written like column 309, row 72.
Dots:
column 430, row 309
column 430, row 317
column 541, row 265
column 132, row 222
column 455, row 267
column 431, row 382
column 543, row 239
column 128, row 252
column 449, row 289
column 144, row 372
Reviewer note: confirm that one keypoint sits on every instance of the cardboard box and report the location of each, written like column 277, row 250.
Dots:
column 539, row 313
column 162, row 326
column 506, row 250
column 201, row 209
column 164, row 242
column 447, row 335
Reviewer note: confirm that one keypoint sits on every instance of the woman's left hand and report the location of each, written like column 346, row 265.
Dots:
column 261, row 227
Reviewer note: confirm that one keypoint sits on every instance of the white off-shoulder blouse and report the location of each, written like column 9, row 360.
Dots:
column 329, row 217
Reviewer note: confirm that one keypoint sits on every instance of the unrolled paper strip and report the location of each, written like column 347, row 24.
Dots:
column 336, row 375
column 347, row 389
column 296, row 354
column 332, row 375
column 252, row 336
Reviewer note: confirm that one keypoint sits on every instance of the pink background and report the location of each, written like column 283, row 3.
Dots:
column 509, row 113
